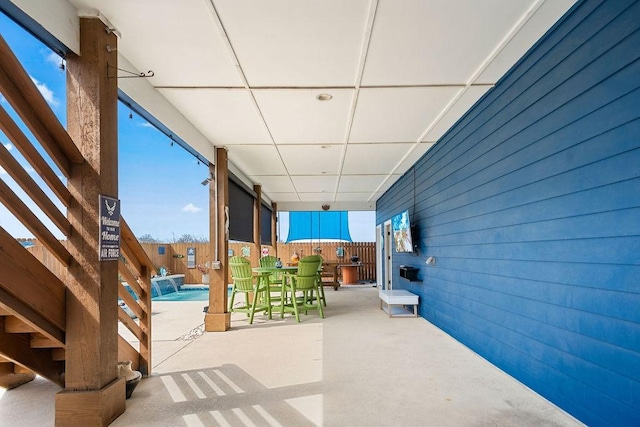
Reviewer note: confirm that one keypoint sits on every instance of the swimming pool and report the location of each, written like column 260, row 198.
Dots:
column 185, row 295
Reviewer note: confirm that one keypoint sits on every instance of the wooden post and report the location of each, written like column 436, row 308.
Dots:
column 256, row 254
column 218, row 319
column 93, row 394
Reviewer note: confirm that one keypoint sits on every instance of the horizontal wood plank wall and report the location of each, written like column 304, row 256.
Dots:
column 531, row 206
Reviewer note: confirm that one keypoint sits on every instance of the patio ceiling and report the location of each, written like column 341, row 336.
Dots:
column 247, row 75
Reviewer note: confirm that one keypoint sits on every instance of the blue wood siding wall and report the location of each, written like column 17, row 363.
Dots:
column 531, row 206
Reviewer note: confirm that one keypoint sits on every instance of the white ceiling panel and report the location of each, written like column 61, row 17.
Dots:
column 316, row 197
column 285, row 197
column 353, row 197
column 225, row 116
column 311, row 159
column 260, row 159
column 296, row 43
column 188, row 51
column 296, row 116
column 315, row 184
column 398, row 114
column 360, row 183
column 417, row 42
column 373, row 159
column 274, row 184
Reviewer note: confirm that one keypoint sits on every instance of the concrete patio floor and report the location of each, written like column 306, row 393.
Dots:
column 357, row 367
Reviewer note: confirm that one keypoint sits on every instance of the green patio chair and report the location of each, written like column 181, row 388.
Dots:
column 303, row 289
column 255, row 289
column 320, row 286
column 275, row 279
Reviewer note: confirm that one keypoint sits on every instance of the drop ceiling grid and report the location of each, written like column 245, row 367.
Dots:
column 418, row 68
column 296, row 44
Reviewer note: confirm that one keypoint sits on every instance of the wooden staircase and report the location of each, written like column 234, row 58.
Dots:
column 32, row 317
column 32, row 313
column 37, row 298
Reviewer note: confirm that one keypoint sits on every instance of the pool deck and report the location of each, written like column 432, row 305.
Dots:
column 356, row 367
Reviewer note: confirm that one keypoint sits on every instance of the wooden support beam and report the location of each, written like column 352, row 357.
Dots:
column 93, row 393
column 218, row 319
column 90, row 408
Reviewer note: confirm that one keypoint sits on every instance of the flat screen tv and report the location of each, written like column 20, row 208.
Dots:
column 402, row 232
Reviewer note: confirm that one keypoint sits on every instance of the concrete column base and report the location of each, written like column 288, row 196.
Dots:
column 217, row 322
column 91, row 408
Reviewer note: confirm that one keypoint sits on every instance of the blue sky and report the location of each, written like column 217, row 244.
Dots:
column 159, row 184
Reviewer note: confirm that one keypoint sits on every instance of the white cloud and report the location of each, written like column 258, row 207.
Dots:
column 54, row 58
column 147, row 125
column 2, row 171
column 2, row 99
column 191, row 208
column 46, row 93
column 8, row 146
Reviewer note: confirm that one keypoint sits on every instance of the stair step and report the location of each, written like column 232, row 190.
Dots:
column 4, row 312
column 17, row 369
column 58, row 354
column 14, row 325
column 39, row 340
column 5, row 360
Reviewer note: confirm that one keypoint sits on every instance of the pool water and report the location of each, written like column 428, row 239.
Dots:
column 190, row 295
column 196, row 294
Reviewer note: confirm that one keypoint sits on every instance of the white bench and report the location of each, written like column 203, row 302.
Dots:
column 397, row 301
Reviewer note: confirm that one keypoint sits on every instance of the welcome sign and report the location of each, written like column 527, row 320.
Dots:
column 109, row 239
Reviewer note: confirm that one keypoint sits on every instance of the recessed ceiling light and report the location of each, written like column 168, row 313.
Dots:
column 324, row 97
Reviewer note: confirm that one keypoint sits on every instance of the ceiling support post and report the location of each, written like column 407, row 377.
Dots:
column 218, row 318
column 93, row 394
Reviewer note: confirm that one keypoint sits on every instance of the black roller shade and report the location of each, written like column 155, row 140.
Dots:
column 265, row 224
column 240, row 213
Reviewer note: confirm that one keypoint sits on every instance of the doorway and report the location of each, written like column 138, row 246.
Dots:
column 387, row 245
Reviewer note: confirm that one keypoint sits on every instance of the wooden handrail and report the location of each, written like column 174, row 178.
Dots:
column 29, row 220
column 30, row 187
column 137, row 273
column 17, row 88
column 35, row 159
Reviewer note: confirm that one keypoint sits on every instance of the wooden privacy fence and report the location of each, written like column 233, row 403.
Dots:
column 173, row 256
